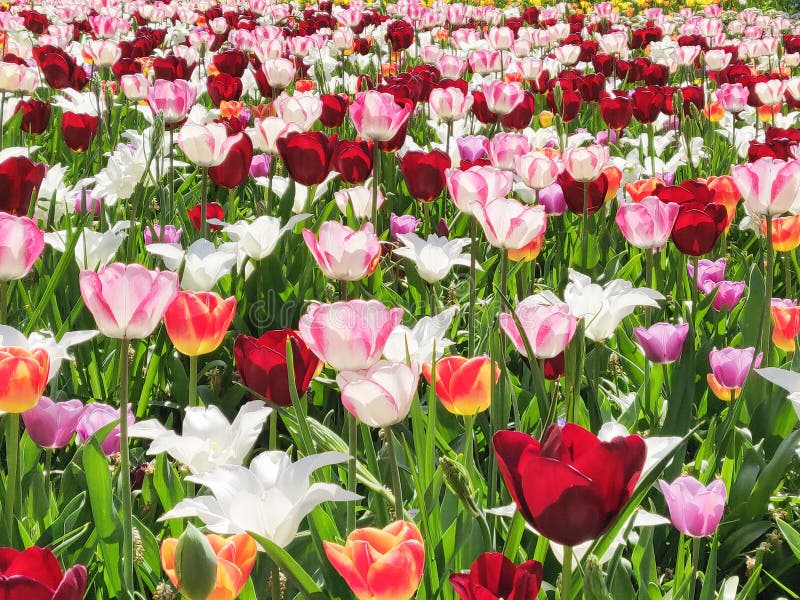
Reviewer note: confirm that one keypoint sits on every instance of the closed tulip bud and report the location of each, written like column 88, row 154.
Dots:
column 456, row 478
column 463, row 385
column 195, row 565
column 731, row 366
column 24, row 374
column 786, row 323
column 695, row 509
column 662, row 343
column 196, row 322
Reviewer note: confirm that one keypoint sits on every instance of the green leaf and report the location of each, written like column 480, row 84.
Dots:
column 98, row 482
column 791, row 536
column 289, row 567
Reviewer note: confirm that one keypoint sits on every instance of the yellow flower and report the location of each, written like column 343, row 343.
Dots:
column 545, row 118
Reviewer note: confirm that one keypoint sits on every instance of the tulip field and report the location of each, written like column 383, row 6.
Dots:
column 336, row 300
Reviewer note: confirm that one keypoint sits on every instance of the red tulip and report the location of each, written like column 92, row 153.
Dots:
column 307, row 155
column 213, row 211
column 334, row 109
column 424, row 173
column 35, row 116
column 571, row 486
column 261, row 364
column 19, row 179
column 574, row 193
column 59, row 69
column 223, row 87
column 353, row 161
column 400, row 35
column 34, row 574
column 617, row 111
column 520, row 117
column 494, row 577
column 697, row 227
column 78, row 130
column 172, row 68
column 233, row 62
column 569, row 104
column 481, row 110
column 235, row 169
column 645, row 105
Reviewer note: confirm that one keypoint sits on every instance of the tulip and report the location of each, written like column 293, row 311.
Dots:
column 24, row 374
column 359, row 199
column 377, row 116
column 268, row 131
column 301, row 109
column 552, row 198
column 501, row 97
column 234, row 169
column 95, row 417
column 709, row 273
column 647, row 224
column 236, row 556
column 259, row 238
column 786, row 323
column 477, row 184
column 382, row 395
column 20, row 180
column 494, row 577
column 728, row 294
column 472, row 147
column 353, row 161
column 538, row 171
column 449, row 104
column 262, row 364
column 174, row 99
column 463, row 385
column 380, row 564
column 402, row 224
column 547, row 323
column 196, row 322
column 698, row 227
column 732, row 97
column 785, row 232
column 21, row 244
column 279, row 72
column 400, row 35
column 509, row 224
column 214, row 210
column 35, row 116
column 424, row 173
column 695, row 509
column 349, row 336
column 307, row 156
column 34, row 573
column 731, row 366
column 342, row 253
column 585, row 164
column 662, row 343
column 206, row 145
column 504, row 148
column 334, row 109
column 768, row 186
column 223, row 87
column 127, row 301
column 570, row 487
column 434, row 256
column 52, row 424
column 617, row 111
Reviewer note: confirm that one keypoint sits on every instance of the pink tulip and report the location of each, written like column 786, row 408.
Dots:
column 127, row 301
column 169, row 234
column 537, row 170
column 52, row 424
column 342, row 253
column 477, row 184
column 279, row 72
column 647, row 224
column 101, row 53
column 716, row 60
column 349, row 336
column 301, row 109
column 451, row 67
column 135, row 86
column 732, row 97
column 484, row 62
column 695, row 509
column 502, row 97
column 731, row 366
column 504, row 148
column 552, row 198
column 769, row 186
column 377, row 116
column 770, row 92
column 206, row 145
column 268, row 131
column 585, row 163
column 728, row 294
column 509, row 224
column 472, row 147
column 172, row 98
column 531, row 68
column 500, row 38
column 449, row 104
column 21, row 244
column 403, row 224
column 382, row 395
column 709, row 273
column 547, row 322
column 686, row 55
column 94, row 417
column 662, row 343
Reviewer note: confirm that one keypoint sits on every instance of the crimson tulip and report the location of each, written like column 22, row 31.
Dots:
column 19, row 179
column 171, row 68
column 698, row 227
column 213, row 211
column 34, row 573
column 223, row 87
column 35, row 116
column 595, row 192
column 353, row 161
column 568, row 105
column 617, row 110
column 307, row 155
column 424, row 173
column 59, row 69
column 334, row 109
column 481, row 110
column 233, row 62
column 262, row 364
column 400, row 35
column 78, row 130
column 494, row 577
column 571, row 486
column 520, row 117
column 235, row 169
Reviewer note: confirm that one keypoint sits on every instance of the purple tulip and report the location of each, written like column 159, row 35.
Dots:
column 695, row 509
column 471, row 147
column 402, row 224
column 96, row 416
column 709, row 273
column 52, row 424
column 259, row 166
column 552, row 198
column 728, row 295
column 606, row 136
column 731, row 366
column 152, row 233
column 662, row 343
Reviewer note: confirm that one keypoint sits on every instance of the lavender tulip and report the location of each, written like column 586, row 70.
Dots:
column 662, row 343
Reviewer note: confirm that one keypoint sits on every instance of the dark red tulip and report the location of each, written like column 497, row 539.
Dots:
column 604, row 63
column 574, row 193
column 223, row 87
column 34, row 574
column 571, row 486
column 78, row 130
column 687, row 192
column 654, row 74
column 59, row 69
column 531, row 15
column 645, row 104
column 307, row 156
column 232, row 62
column 567, row 106
column 481, row 110
column 554, row 367
column 424, row 173
column 640, row 38
column 617, row 111
column 261, row 364
column 362, row 45
column 235, row 169
column 20, row 178
column 698, row 227
column 34, row 21
column 591, row 86
column 334, row 109
column 588, row 50
column 35, row 115
column 519, row 118
column 494, row 577
column 263, row 85
column 353, row 161
column 780, row 149
column 692, row 96
column 400, row 35
column 213, row 211
column 125, row 66
column 171, row 68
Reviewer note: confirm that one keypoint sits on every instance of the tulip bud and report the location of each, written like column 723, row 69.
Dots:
column 195, row 564
column 594, row 585
column 457, row 480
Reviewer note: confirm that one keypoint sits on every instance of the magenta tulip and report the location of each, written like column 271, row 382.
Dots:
column 728, row 294
column 52, row 424
column 662, row 343
column 21, row 244
column 695, row 509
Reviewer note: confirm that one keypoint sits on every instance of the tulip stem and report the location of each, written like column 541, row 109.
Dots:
column 768, row 282
column 376, row 168
column 12, row 457
column 192, row 381
column 275, row 582
column 695, row 563
column 125, row 471
column 352, row 445
column 585, row 229
column 566, row 574
column 397, row 490
column 469, row 424
column 204, row 205
column 3, row 302
column 171, row 208
column 473, row 251
column 2, row 124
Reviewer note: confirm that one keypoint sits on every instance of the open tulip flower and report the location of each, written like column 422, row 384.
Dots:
column 35, row 573
column 695, row 509
column 494, row 577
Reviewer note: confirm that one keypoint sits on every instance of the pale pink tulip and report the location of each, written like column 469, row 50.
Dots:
column 21, row 244
column 484, row 62
column 451, row 67
column 768, row 185
column 135, row 86
column 732, row 97
column 500, row 38
column 647, row 224
column 206, row 145
column 509, row 224
column 377, row 116
column 536, row 170
column 547, row 324
column 449, row 104
column 301, row 109
column 770, row 92
column 382, row 395
column 172, row 98
column 585, row 163
column 101, row 53
column 127, row 301
column 343, row 253
column 477, row 184
column 268, row 131
column 502, row 97
column 716, row 60
column 279, row 72
column 504, row 148
column 567, row 55
column 695, row 509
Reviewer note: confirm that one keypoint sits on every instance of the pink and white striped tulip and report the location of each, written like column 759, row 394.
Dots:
column 449, row 104
column 585, row 163
column 21, row 244
column 342, row 253
column 206, row 145
column 502, row 97
column 477, row 184
column 509, row 224
column 536, row 170
column 172, row 98
column 547, row 322
column 768, row 185
column 647, row 224
column 377, row 116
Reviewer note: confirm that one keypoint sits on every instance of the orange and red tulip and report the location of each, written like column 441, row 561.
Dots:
column 785, row 232
column 639, row 190
column 197, row 321
column 786, row 323
column 23, row 377
column 236, row 556
column 463, row 385
column 614, row 178
column 380, row 564
column 725, row 193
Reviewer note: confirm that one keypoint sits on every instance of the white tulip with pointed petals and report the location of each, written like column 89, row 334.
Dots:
column 434, row 256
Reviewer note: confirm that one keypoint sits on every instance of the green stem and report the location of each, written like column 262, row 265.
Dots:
column 566, row 574
column 204, row 205
column 473, row 290
column 125, row 472
column 397, row 490
column 376, row 169
column 12, row 458
column 352, row 445
column 766, row 322
column 193, row 381
column 469, row 424
column 585, row 229
column 3, row 302
column 695, row 563
column 275, row 582
column 273, row 430
column 2, row 126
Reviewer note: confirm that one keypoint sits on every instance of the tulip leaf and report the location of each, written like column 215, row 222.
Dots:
column 708, row 590
column 289, row 567
column 99, row 485
column 791, row 535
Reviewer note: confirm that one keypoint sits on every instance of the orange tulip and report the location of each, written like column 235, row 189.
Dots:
column 786, row 323
column 528, row 252
column 464, row 385
column 197, row 321
column 714, row 112
column 614, row 177
column 236, row 556
column 380, row 564
column 720, row 392
column 23, row 377
column 639, row 190
column 785, row 232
